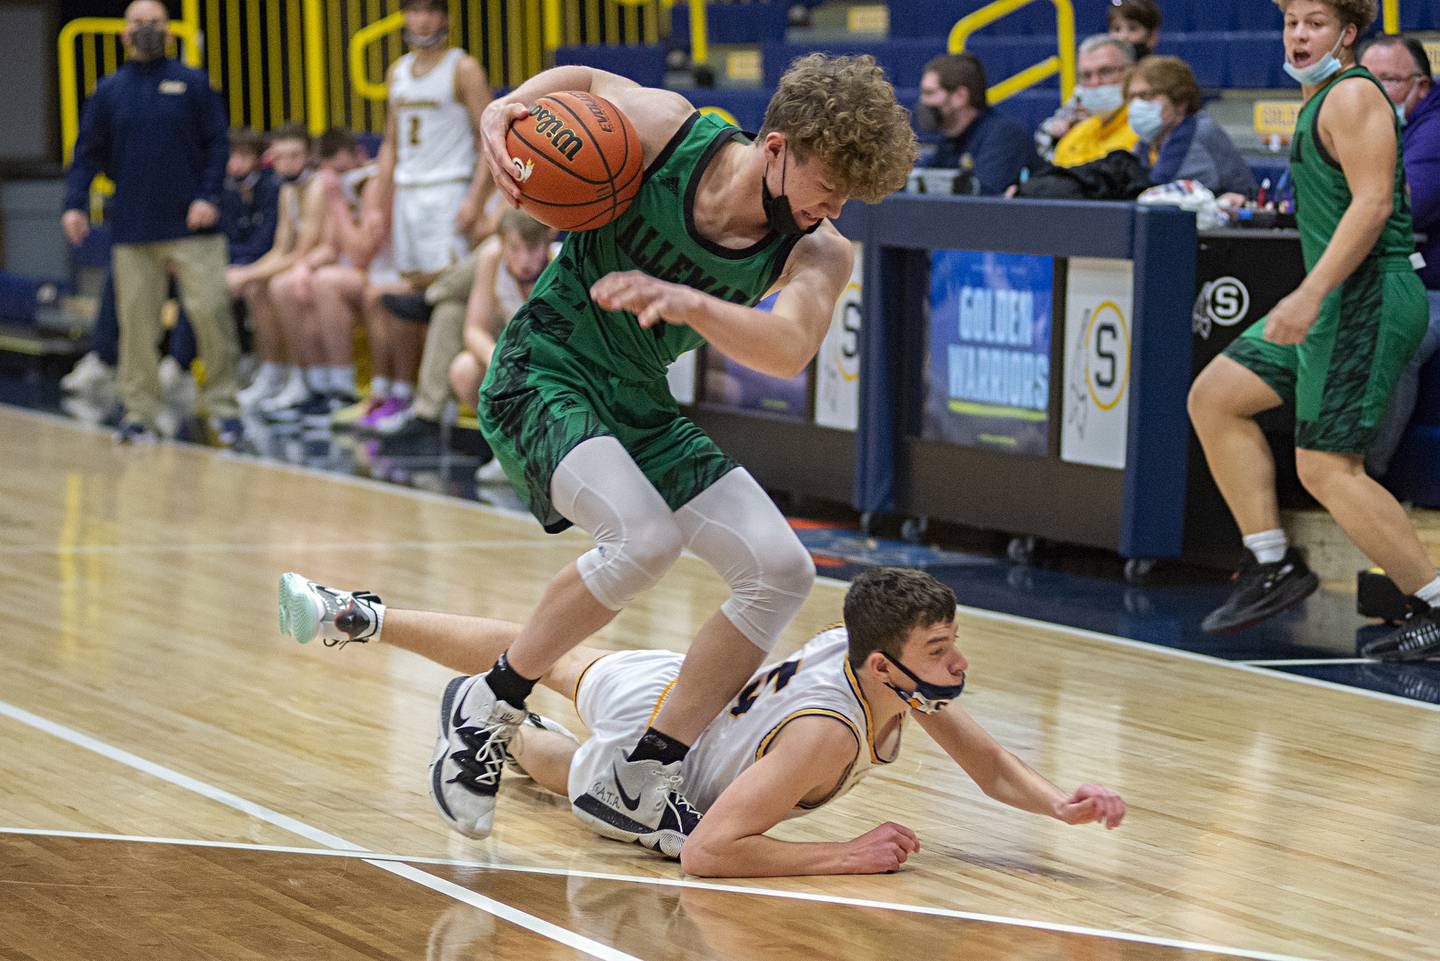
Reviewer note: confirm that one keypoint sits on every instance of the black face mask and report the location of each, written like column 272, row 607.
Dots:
column 1142, row 50
column 928, row 117
column 148, row 41
column 779, row 218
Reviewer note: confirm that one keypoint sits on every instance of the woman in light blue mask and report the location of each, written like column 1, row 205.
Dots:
column 1178, row 139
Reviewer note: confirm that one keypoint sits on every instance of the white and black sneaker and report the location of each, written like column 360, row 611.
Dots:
column 475, row 728
column 309, row 610
column 1416, row 639
column 1261, row 591
column 639, row 802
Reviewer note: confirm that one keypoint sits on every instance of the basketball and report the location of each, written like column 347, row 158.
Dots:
column 579, row 160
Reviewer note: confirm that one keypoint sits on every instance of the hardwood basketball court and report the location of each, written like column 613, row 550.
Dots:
column 180, row 781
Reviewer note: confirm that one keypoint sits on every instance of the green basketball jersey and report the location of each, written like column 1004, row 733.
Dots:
column 1322, row 195
column 657, row 235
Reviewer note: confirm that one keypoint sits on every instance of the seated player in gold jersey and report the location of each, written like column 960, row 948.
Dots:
column 801, row 733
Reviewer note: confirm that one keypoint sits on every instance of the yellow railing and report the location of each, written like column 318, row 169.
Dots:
column 1062, row 63
column 533, row 35
column 1391, row 15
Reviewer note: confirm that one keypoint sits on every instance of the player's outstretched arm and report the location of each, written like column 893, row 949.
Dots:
column 1006, row 778
column 655, row 114
column 781, row 342
column 810, row 754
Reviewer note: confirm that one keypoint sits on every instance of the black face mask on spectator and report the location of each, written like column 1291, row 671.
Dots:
column 148, row 41
column 1142, row 50
column 928, row 117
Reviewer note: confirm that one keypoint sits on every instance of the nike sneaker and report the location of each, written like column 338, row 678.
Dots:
column 1416, row 639
column 309, row 610
column 1261, row 591
column 639, row 802
column 475, row 729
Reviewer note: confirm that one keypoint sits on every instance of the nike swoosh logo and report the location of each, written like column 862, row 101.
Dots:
column 625, row 799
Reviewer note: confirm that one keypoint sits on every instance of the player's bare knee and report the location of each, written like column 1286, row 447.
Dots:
column 1320, row 470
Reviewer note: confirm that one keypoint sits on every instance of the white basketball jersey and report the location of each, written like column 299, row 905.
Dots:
column 816, row 681
column 434, row 142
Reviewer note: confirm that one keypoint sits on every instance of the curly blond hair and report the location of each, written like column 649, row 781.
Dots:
column 1362, row 13
column 842, row 111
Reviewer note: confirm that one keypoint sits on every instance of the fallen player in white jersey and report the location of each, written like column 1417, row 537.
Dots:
column 803, row 731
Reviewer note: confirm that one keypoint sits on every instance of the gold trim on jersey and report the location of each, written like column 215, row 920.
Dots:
column 660, row 702
column 575, row 691
column 764, row 746
column 865, row 708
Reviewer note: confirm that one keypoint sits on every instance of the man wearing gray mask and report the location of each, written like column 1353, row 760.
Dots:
column 1096, row 120
column 159, row 132
column 987, row 148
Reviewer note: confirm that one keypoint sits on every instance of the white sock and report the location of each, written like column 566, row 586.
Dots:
column 1267, row 546
column 271, row 374
column 316, row 380
column 380, row 387
column 342, row 379
column 1430, row 593
column 401, row 390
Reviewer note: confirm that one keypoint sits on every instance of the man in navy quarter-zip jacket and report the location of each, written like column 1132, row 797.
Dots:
column 159, row 132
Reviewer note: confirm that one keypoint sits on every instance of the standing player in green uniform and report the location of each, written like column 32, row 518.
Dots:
column 578, row 411
column 1334, row 346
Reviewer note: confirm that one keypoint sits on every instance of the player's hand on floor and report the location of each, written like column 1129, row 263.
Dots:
column 1091, row 802
column 495, row 123
column 882, row 849
column 652, row 301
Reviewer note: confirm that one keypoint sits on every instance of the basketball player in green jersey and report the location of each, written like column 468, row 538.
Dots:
column 1334, row 346
column 578, row 411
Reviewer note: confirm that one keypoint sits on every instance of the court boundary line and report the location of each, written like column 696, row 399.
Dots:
column 682, row 882
column 498, row 909
column 1313, row 661
column 395, row 489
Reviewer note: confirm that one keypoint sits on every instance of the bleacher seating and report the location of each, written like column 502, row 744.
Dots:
column 643, row 64
column 731, row 22
column 1412, row 472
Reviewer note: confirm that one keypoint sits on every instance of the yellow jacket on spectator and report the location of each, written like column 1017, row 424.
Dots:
column 1094, row 137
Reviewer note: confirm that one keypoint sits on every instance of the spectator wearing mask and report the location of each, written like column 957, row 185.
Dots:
column 157, row 129
column 1404, row 70
column 1101, row 120
column 1178, row 139
column 1137, row 22
column 987, row 148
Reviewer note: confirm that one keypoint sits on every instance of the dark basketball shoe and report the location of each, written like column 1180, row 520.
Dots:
column 309, row 610
column 1261, row 591
column 639, row 802
column 475, row 728
column 1416, row 639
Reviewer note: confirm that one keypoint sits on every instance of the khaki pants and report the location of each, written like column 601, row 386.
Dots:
column 141, row 285
column 445, row 337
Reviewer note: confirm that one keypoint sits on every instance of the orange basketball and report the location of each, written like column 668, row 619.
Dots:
column 579, row 160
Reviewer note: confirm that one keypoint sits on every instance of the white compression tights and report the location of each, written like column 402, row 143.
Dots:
column 733, row 526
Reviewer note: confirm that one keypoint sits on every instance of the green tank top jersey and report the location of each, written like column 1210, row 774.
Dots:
column 656, row 235
column 1322, row 195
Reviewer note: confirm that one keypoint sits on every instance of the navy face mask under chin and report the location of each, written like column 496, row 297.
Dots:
column 926, row 698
